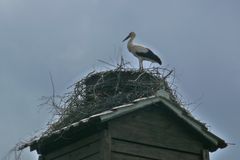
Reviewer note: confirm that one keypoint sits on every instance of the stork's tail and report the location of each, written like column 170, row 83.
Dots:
column 159, row 61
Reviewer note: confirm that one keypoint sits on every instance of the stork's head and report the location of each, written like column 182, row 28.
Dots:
column 131, row 35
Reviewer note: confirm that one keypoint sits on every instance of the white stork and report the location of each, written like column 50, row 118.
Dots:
column 141, row 52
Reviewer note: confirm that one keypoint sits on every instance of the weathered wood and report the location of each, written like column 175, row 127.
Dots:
column 150, row 152
column 73, row 147
column 205, row 154
column 105, row 147
column 155, row 127
column 122, row 156
column 93, row 157
column 82, row 153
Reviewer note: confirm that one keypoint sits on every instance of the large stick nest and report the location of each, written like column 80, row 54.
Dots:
column 102, row 91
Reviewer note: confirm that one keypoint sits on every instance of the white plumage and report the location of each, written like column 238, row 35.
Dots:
column 141, row 52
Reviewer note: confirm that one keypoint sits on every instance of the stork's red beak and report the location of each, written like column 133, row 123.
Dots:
column 126, row 38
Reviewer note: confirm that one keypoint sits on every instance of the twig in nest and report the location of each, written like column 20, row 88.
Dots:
column 106, row 63
column 118, row 81
column 122, row 65
column 138, row 77
column 74, row 84
column 165, row 77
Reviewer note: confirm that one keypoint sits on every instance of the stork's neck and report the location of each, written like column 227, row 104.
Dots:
column 130, row 43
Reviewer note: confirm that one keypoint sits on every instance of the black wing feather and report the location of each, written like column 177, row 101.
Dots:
column 150, row 55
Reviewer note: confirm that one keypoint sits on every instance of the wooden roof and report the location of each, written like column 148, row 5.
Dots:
column 97, row 121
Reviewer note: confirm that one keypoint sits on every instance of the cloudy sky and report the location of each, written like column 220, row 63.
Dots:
column 200, row 39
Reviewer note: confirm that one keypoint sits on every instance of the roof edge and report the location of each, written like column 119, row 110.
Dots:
column 118, row 111
column 215, row 140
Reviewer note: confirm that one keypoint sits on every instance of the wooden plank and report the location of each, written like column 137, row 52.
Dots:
column 92, row 157
column 122, row 156
column 155, row 127
column 150, row 152
column 82, row 153
column 75, row 146
column 105, row 149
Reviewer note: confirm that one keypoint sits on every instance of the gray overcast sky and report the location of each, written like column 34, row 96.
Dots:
column 200, row 39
